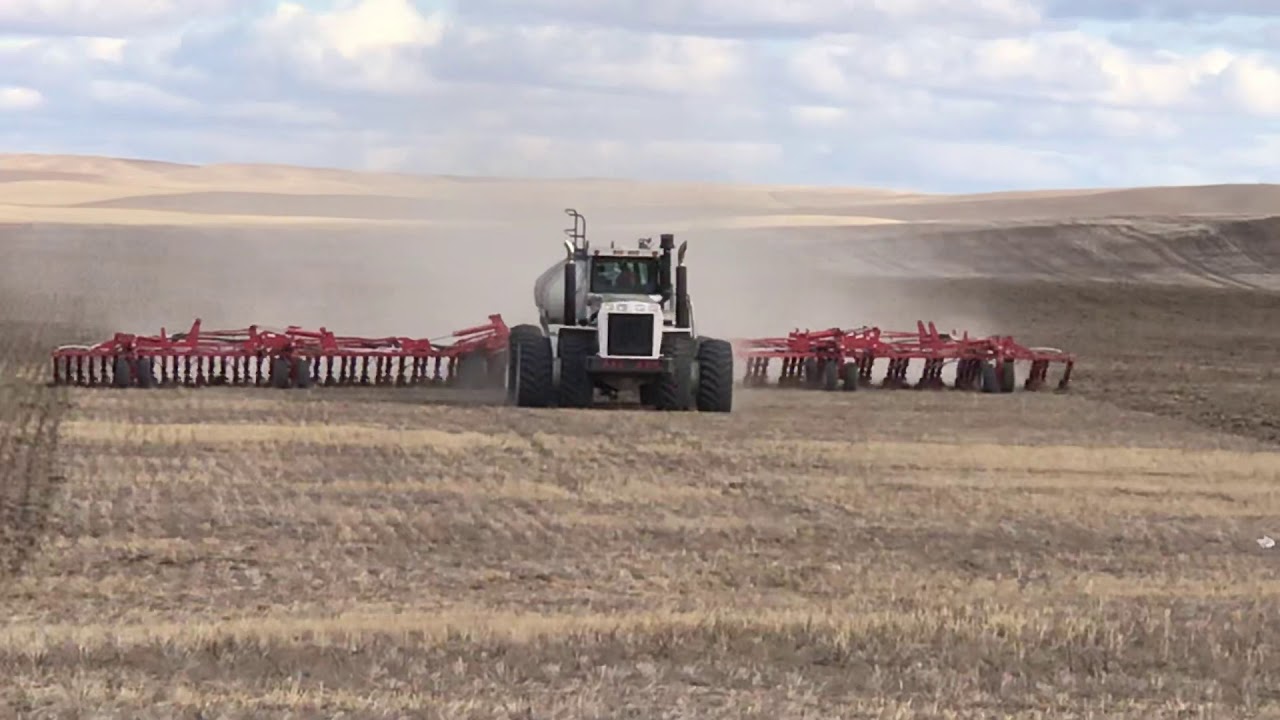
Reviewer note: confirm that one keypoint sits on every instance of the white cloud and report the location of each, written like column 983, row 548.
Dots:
column 818, row 116
column 1254, row 84
column 139, row 96
column 20, row 98
column 1069, row 66
column 101, row 17
column 369, row 44
column 1158, row 9
column 936, row 94
column 764, row 17
column 1122, row 124
column 281, row 113
column 355, row 30
column 608, row 60
column 107, row 49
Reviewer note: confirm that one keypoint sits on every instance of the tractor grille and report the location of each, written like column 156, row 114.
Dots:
column 630, row 334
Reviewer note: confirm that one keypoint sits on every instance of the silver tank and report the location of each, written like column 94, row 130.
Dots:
column 548, row 292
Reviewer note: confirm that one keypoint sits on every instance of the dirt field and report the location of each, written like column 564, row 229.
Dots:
column 238, row 553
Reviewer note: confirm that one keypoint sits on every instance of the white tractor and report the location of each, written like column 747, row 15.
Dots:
column 617, row 320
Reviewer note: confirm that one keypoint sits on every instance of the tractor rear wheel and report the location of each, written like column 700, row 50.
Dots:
column 715, row 375
column 530, row 375
column 576, row 388
column 517, row 335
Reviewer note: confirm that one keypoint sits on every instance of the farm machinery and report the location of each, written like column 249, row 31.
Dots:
column 836, row 358
column 614, row 320
column 610, row 321
column 290, row 358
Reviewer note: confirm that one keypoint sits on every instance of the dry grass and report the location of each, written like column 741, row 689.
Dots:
column 435, row 561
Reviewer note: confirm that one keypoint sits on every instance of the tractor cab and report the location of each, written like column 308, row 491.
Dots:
column 625, row 274
column 625, row 280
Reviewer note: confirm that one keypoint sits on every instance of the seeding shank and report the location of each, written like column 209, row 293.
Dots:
column 293, row 357
column 824, row 358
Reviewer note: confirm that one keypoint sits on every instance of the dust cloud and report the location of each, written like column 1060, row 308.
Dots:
column 767, row 284
column 484, row 242
column 420, row 283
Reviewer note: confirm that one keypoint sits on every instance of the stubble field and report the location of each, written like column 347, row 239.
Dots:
column 353, row 553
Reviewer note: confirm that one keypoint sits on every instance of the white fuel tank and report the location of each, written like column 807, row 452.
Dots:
column 548, row 292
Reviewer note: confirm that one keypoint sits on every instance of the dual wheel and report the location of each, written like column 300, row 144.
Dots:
column 1001, row 380
column 289, row 372
column 128, row 372
column 828, row 375
column 702, row 377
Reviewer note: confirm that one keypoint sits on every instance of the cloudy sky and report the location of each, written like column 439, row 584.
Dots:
column 948, row 95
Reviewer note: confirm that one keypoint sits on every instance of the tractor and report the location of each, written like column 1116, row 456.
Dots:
column 617, row 320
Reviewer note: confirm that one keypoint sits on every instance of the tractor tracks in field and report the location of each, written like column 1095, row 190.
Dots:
column 30, row 416
column 1176, row 255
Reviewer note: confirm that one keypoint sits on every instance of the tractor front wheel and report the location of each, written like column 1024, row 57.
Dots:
column 576, row 388
column 675, row 389
column 715, row 375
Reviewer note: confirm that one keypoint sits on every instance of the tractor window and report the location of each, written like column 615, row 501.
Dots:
column 628, row 276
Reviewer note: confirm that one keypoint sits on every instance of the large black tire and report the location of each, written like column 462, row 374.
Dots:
column 715, row 375
column 518, row 334
column 1008, row 377
column 302, row 372
column 281, row 370
column 576, row 388
column 146, row 372
column 121, row 372
column 812, row 378
column 675, row 389
column 531, row 374
column 830, row 375
column 850, row 372
column 649, row 393
column 990, row 383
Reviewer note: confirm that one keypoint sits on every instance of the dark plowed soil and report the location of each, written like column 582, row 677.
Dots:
column 29, row 418
column 1225, row 252
column 1204, row 354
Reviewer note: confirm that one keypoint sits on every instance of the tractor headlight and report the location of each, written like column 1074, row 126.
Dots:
column 630, row 307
